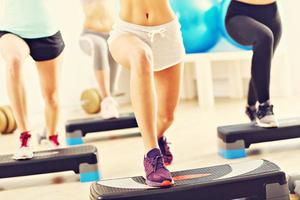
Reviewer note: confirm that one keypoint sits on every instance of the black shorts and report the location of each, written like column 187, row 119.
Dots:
column 43, row 49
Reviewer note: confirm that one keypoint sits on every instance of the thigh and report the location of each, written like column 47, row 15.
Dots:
column 245, row 30
column 276, row 28
column 125, row 47
column 49, row 74
column 100, row 52
column 12, row 46
column 86, row 45
column 114, row 69
column 94, row 45
column 114, row 66
column 167, row 83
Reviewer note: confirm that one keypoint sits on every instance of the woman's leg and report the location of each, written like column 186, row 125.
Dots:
column 143, row 95
column 252, row 97
column 14, row 51
column 276, row 28
column 251, row 102
column 137, row 55
column 248, row 31
column 49, row 77
column 167, row 84
column 114, row 75
column 96, row 46
column 102, row 77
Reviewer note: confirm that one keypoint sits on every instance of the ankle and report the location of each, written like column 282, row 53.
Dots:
column 54, row 139
column 152, row 152
column 25, row 138
column 266, row 103
column 25, row 131
column 251, row 107
column 150, row 146
column 108, row 97
column 160, row 138
column 162, row 141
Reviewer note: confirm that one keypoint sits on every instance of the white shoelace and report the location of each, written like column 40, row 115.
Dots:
column 153, row 33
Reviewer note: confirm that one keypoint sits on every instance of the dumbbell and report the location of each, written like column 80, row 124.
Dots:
column 91, row 101
column 3, row 122
column 7, row 120
column 294, row 184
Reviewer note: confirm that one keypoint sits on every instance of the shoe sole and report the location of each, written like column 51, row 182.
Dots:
column 165, row 183
column 22, row 158
column 264, row 125
column 110, row 117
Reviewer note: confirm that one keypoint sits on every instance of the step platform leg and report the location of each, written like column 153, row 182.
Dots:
column 232, row 150
column 89, row 172
column 276, row 191
column 74, row 138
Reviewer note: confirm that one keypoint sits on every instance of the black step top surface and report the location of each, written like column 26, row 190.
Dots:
column 188, row 178
column 288, row 129
column 48, row 161
column 98, row 124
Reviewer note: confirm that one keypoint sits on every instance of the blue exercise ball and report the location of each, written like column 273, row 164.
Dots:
column 224, row 7
column 199, row 21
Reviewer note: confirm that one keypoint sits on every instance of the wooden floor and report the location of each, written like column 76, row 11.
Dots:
column 193, row 138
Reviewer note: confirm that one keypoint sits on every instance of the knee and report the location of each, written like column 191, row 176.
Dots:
column 266, row 38
column 166, row 118
column 51, row 99
column 14, row 64
column 86, row 46
column 142, row 61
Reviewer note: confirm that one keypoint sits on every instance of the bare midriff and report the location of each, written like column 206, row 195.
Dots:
column 146, row 12
column 99, row 15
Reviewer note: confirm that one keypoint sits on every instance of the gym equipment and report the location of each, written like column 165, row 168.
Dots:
column 234, row 139
column 259, row 179
column 293, row 197
column 294, row 184
column 91, row 101
column 77, row 129
column 224, row 7
column 82, row 160
column 200, row 23
column 11, row 124
column 3, row 122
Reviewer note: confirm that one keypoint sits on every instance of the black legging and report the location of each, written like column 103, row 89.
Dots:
column 258, row 26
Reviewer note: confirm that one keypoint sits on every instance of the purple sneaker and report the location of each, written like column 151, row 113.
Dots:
column 165, row 150
column 157, row 174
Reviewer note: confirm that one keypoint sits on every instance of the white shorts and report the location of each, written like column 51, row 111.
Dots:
column 164, row 40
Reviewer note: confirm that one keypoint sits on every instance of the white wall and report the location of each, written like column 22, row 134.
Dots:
column 292, row 29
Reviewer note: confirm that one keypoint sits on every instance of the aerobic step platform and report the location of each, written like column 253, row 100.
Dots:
column 294, row 184
column 82, row 160
column 77, row 129
column 234, row 139
column 258, row 179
